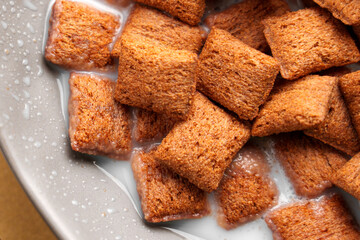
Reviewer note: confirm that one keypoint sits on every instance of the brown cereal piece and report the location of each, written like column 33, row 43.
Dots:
column 326, row 218
column 309, row 40
column 348, row 11
column 164, row 195
column 348, row 177
column 350, row 88
column 243, row 20
column 202, row 147
column 246, row 191
column 98, row 124
column 295, row 105
column 337, row 129
column 189, row 11
column 155, row 78
column 150, row 125
column 75, row 41
column 155, row 26
column 237, row 76
column 308, row 162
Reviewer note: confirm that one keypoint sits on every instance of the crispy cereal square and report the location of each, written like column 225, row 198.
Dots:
column 295, row 105
column 80, row 36
column 243, row 20
column 150, row 125
column 155, row 26
column 350, row 88
column 326, row 218
column 348, row 11
column 201, row 147
column 309, row 40
column 98, row 124
column 348, row 177
column 235, row 75
column 337, row 129
column 189, row 11
column 155, row 78
column 164, row 195
column 308, row 162
column 246, row 190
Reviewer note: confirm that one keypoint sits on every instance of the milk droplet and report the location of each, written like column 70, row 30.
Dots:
column 111, row 210
column 4, row 25
column 26, row 111
column 28, row 4
column 74, row 202
column 27, row 81
column 30, row 27
column 20, row 43
column 37, row 144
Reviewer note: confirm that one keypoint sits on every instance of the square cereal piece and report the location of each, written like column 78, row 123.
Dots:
column 201, row 147
column 243, row 20
column 348, row 177
column 308, row 162
column 98, row 124
column 337, row 129
column 155, row 26
column 235, row 75
column 246, row 190
column 295, row 105
column 309, row 40
column 326, row 218
column 164, row 195
column 348, row 11
column 80, row 36
column 350, row 88
column 155, row 78
column 150, row 125
column 189, row 11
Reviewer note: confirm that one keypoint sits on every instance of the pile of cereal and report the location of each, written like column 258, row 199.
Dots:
column 260, row 70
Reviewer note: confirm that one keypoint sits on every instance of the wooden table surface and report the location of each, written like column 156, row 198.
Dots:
column 18, row 217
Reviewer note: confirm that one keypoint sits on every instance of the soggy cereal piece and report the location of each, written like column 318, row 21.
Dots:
column 326, row 218
column 243, row 20
column 350, row 88
column 202, row 147
column 75, row 41
column 189, row 11
column 337, row 129
column 155, row 78
column 348, row 11
column 309, row 40
column 235, row 75
column 295, row 105
column 98, row 124
column 246, row 190
column 155, row 26
column 308, row 162
column 164, row 195
column 348, row 177
column 150, row 125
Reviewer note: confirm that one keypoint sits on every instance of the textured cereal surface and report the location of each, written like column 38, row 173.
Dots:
column 326, row 218
column 348, row 11
column 348, row 177
column 235, row 75
column 350, row 88
column 243, row 20
column 295, row 105
column 164, row 195
column 155, row 26
column 155, row 78
column 308, row 162
column 150, row 125
column 246, row 191
column 201, row 147
column 308, row 41
column 98, row 124
column 189, row 11
column 337, row 129
column 75, row 41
